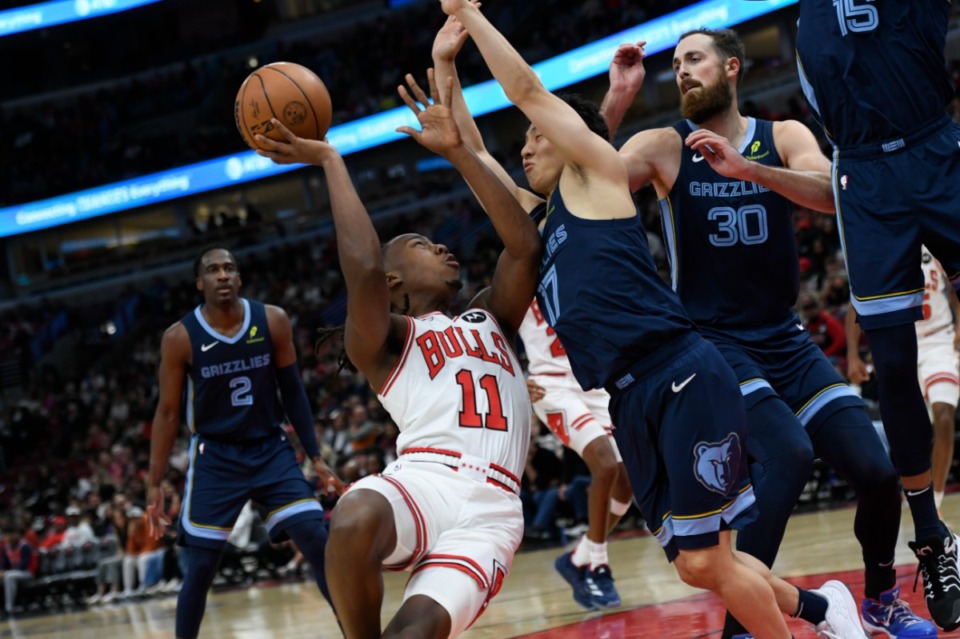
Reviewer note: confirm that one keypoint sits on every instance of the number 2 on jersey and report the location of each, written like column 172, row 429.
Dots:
column 241, row 395
column 469, row 416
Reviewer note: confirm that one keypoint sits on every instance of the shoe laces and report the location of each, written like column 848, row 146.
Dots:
column 934, row 570
column 601, row 575
column 824, row 631
column 898, row 612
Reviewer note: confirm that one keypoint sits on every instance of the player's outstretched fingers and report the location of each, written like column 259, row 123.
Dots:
column 409, row 101
column 417, row 91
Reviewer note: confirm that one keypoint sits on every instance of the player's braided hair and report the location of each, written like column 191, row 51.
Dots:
column 326, row 333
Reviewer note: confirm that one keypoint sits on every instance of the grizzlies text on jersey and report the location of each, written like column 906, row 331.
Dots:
column 733, row 256
column 232, row 390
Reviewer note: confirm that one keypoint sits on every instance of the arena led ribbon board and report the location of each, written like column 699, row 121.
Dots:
column 49, row 14
column 563, row 70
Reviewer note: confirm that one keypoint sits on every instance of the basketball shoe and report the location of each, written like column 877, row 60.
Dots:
column 941, row 578
column 600, row 588
column 842, row 620
column 575, row 577
column 892, row 615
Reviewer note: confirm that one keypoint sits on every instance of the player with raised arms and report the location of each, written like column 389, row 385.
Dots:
column 449, row 508
column 679, row 414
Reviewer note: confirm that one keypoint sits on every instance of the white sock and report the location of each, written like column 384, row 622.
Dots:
column 598, row 554
column 938, row 498
column 581, row 553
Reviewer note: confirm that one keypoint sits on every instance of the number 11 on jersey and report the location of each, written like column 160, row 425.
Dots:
column 469, row 415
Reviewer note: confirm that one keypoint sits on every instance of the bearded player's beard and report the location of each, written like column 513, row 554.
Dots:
column 710, row 100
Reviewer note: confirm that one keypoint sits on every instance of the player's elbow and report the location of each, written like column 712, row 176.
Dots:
column 525, row 89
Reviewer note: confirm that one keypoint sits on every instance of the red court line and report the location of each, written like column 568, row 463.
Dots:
column 701, row 616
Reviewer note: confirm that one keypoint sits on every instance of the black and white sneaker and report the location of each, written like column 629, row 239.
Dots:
column 941, row 578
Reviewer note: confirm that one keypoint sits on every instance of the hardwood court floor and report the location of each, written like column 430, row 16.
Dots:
column 534, row 603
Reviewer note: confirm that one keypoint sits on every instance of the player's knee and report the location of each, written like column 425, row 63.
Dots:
column 602, row 462
column 361, row 520
column 944, row 414
column 698, row 569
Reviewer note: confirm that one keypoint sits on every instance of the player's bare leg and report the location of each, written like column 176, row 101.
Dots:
column 604, row 470
column 831, row 608
column 419, row 617
column 586, row 568
column 362, row 535
column 942, row 455
column 622, row 495
column 746, row 593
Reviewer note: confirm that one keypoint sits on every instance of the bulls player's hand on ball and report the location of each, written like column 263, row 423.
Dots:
column 293, row 149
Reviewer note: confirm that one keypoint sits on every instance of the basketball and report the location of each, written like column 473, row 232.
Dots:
column 291, row 93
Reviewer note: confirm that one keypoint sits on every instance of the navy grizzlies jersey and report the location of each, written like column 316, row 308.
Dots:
column 873, row 70
column 231, row 385
column 600, row 291
column 733, row 256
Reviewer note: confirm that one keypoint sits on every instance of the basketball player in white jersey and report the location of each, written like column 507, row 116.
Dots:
column 581, row 420
column 449, row 508
column 938, row 363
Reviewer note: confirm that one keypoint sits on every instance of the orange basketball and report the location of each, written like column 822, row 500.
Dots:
column 288, row 92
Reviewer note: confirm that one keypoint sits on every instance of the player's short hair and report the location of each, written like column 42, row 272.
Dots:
column 198, row 262
column 727, row 43
column 588, row 111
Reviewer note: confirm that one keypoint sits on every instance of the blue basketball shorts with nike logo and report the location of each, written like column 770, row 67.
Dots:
column 681, row 428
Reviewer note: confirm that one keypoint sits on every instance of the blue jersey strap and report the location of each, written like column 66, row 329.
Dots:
column 297, row 407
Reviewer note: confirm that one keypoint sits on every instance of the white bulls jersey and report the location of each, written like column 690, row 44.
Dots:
column 937, row 315
column 458, row 387
column 545, row 353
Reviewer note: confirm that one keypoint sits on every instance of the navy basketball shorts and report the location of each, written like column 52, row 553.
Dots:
column 888, row 203
column 223, row 475
column 782, row 361
column 681, row 430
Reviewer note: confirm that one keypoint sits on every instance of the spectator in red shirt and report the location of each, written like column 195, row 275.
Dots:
column 825, row 330
column 54, row 536
column 18, row 563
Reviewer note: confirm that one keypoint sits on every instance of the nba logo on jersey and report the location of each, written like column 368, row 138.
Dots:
column 716, row 464
column 843, row 182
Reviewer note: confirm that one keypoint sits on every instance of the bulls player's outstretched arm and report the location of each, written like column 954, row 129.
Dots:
column 592, row 156
column 446, row 45
column 369, row 322
column 515, row 277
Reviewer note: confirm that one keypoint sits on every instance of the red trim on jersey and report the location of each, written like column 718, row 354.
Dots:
column 582, row 421
column 938, row 378
column 500, row 484
column 418, row 519
column 407, row 344
column 505, row 472
column 457, row 562
column 426, row 449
